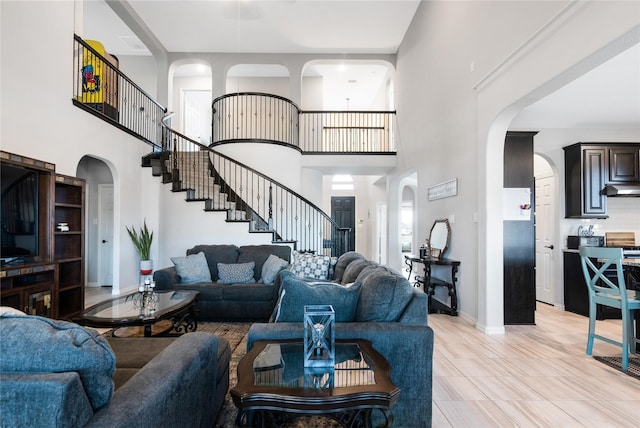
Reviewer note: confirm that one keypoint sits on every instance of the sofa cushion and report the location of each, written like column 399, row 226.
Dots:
column 192, row 269
column 353, row 270
column 223, row 253
column 259, row 255
column 384, row 295
column 342, row 263
column 296, row 293
column 311, row 266
column 271, row 267
column 236, row 273
column 248, row 292
column 33, row 344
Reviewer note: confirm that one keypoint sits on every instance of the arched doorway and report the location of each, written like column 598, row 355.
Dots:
column 99, row 221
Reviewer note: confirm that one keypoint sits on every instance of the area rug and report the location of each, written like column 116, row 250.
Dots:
column 236, row 334
column 616, row 363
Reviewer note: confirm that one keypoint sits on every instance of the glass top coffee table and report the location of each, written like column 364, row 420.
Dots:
column 274, row 386
column 179, row 307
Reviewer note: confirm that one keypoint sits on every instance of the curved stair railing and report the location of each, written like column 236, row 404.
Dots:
column 247, row 195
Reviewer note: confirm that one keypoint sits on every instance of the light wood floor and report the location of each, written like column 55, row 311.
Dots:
column 532, row 376
column 95, row 295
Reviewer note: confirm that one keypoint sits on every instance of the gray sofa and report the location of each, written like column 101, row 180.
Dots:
column 58, row 374
column 244, row 301
column 389, row 312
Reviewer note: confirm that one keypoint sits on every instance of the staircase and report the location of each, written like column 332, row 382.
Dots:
column 224, row 184
column 246, row 195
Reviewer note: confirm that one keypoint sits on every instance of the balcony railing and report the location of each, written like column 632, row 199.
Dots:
column 101, row 89
column 252, row 116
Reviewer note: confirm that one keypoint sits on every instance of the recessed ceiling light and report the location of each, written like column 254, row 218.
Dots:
column 352, row 81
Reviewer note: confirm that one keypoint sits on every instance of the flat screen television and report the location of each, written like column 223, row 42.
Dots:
column 19, row 213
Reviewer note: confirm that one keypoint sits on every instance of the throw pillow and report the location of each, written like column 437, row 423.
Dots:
column 8, row 310
column 311, row 266
column 271, row 267
column 32, row 344
column 236, row 273
column 192, row 269
column 296, row 293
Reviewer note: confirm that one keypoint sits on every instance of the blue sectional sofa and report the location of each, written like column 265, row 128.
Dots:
column 385, row 310
column 58, row 374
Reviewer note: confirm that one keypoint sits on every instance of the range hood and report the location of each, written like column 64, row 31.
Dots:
column 628, row 190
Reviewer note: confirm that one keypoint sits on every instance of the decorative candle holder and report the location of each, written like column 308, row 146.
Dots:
column 319, row 336
column 146, row 300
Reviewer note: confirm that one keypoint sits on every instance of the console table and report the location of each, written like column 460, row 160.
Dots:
column 430, row 283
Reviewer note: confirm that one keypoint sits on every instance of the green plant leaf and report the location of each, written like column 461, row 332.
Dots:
column 141, row 240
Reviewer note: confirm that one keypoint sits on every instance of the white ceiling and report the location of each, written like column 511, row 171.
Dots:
column 609, row 96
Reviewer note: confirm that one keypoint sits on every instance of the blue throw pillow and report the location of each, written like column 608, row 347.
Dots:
column 236, row 273
column 271, row 267
column 192, row 269
column 296, row 293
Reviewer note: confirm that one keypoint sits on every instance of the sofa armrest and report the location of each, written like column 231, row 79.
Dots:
column 43, row 400
column 407, row 347
column 166, row 279
column 176, row 388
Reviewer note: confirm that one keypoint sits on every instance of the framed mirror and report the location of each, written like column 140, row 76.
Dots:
column 439, row 238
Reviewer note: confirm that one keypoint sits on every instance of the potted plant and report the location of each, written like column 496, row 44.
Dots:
column 142, row 242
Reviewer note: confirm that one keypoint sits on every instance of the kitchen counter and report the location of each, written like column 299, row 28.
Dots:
column 625, row 262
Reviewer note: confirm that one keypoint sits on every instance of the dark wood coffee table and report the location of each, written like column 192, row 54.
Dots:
column 274, row 387
column 177, row 306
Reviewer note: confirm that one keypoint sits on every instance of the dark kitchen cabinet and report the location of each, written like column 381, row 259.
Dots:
column 585, row 169
column 624, row 164
column 589, row 168
column 576, row 298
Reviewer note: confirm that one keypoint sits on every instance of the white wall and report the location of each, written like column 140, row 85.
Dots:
column 454, row 110
column 39, row 120
column 142, row 70
column 270, row 85
column 187, row 227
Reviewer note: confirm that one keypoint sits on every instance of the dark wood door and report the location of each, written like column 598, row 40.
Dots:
column 343, row 212
column 519, row 235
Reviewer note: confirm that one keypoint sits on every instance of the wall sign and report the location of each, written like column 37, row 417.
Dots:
column 443, row 190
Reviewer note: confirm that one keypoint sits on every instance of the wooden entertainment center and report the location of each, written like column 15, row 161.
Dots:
column 50, row 282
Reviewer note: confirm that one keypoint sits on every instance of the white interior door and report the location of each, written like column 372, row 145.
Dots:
column 546, row 246
column 197, row 115
column 105, row 234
